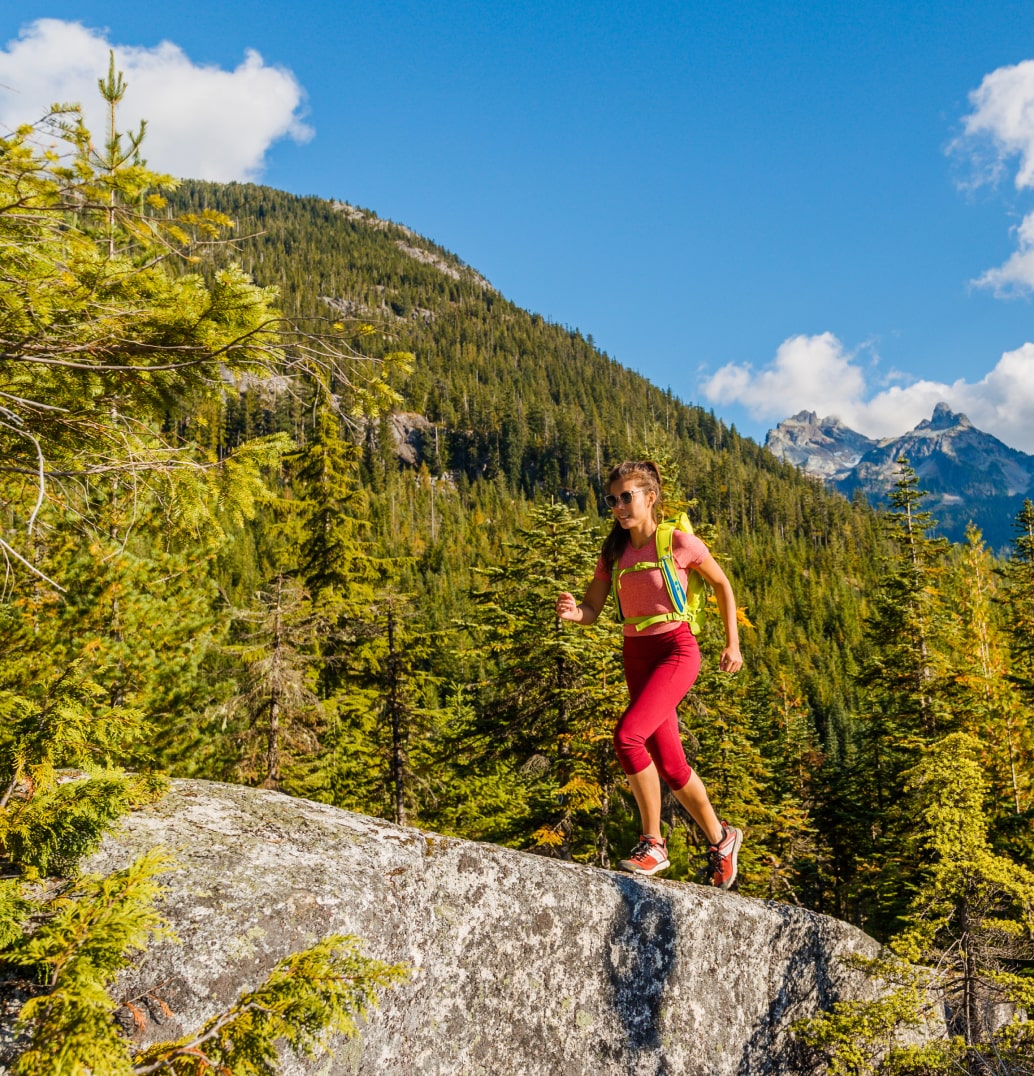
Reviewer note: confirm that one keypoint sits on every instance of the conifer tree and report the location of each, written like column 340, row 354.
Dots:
column 64, row 722
column 275, row 713
column 378, row 750
column 972, row 914
column 962, row 952
column 723, row 717
column 782, row 820
column 983, row 695
column 554, row 690
column 334, row 552
column 904, row 682
column 1020, row 596
column 905, row 674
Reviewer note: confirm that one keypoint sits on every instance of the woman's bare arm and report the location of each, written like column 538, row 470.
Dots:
column 588, row 609
column 730, row 661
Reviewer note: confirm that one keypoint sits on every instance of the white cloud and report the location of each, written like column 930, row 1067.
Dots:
column 812, row 373
column 815, row 373
column 1016, row 275
column 202, row 122
column 999, row 128
column 1003, row 113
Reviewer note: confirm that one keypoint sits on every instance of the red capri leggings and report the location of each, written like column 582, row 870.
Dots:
column 659, row 670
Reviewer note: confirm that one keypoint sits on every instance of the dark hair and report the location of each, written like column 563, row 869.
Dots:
column 649, row 478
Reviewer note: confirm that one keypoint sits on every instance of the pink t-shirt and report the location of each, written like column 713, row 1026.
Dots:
column 643, row 593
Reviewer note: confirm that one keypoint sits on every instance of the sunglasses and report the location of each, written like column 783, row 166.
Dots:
column 624, row 497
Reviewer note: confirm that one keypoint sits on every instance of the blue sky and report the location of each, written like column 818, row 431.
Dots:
column 765, row 207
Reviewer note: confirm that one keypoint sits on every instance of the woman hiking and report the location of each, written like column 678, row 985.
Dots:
column 661, row 660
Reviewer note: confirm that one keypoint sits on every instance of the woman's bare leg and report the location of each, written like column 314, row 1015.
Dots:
column 646, row 787
column 693, row 796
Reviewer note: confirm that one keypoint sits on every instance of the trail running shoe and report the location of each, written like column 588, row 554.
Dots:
column 648, row 857
column 721, row 857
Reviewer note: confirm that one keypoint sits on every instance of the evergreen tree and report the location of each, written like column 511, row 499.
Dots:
column 276, row 711
column 1020, row 596
column 392, row 698
column 983, row 694
column 962, row 954
column 554, row 690
column 330, row 541
column 723, row 717
column 972, row 910
column 904, row 679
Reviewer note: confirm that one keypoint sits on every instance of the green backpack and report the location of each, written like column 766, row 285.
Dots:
column 687, row 603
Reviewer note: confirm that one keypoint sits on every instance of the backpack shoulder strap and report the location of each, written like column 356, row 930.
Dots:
column 684, row 606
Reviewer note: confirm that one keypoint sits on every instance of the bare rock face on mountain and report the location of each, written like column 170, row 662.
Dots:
column 952, row 458
column 518, row 964
column 826, row 448
column 970, row 475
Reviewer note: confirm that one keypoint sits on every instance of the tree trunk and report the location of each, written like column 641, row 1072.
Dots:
column 275, row 701
column 398, row 739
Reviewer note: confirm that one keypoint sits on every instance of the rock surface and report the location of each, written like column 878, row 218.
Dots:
column 825, row 447
column 519, row 964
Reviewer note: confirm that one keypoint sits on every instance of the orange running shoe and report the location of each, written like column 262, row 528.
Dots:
column 648, row 857
column 721, row 857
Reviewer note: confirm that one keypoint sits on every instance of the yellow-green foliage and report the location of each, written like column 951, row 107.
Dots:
column 84, row 932
column 307, row 998
column 90, row 929
column 47, row 821
column 860, row 1038
column 969, row 924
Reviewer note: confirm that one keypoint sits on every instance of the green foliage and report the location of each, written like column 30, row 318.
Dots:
column 985, row 697
column 380, row 750
column 276, row 706
column 962, row 953
column 1020, row 577
column 53, row 829
column 973, row 911
column 903, row 675
column 548, row 710
column 101, row 344
column 307, row 998
column 90, row 930
column 866, row 1038
column 904, row 680
column 47, row 823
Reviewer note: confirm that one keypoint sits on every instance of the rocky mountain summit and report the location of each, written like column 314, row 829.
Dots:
column 825, row 447
column 970, row 475
column 518, row 964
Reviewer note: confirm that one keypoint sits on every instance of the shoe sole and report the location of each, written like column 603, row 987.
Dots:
column 733, row 855
column 633, row 868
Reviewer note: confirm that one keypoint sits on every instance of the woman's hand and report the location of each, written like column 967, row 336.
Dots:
column 588, row 609
column 730, row 661
column 567, row 608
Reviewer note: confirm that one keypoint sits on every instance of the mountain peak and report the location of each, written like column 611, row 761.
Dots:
column 945, row 419
column 826, row 448
column 970, row 475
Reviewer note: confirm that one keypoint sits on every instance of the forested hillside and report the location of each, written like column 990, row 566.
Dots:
column 218, row 565
column 530, row 407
